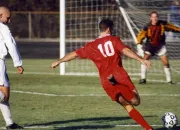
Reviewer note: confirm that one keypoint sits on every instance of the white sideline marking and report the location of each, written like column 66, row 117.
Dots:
column 93, row 74
column 178, row 83
column 88, row 95
column 175, row 70
column 44, row 73
column 51, row 126
column 38, row 73
column 152, row 80
column 63, row 95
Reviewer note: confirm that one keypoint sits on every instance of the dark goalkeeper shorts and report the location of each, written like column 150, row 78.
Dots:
column 155, row 50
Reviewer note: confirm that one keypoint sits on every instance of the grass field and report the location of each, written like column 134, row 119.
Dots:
column 46, row 100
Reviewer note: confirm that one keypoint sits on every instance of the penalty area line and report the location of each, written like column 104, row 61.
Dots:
column 87, row 95
column 91, row 75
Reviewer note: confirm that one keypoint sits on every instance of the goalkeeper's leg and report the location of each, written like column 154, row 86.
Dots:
column 144, row 70
column 167, row 69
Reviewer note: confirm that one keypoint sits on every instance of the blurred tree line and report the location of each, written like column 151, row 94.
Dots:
column 31, row 5
column 45, row 24
column 42, row 25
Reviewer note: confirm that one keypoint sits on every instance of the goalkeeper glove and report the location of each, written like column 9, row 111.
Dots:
column 140, row 50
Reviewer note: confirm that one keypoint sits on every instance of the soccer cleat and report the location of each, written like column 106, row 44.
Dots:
column 170, row 83
column 142, row 81
column 14, row 126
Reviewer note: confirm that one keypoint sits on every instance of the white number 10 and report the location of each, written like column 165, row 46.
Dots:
column 109, row 50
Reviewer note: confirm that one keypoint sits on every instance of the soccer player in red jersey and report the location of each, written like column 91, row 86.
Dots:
column 106, row 53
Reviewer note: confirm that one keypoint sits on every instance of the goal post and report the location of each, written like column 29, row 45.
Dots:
column 121, row 9
column 62, row 8
column 79, row 25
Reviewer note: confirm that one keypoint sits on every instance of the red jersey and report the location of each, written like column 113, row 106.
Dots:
column 155, row 34
column 105, row 52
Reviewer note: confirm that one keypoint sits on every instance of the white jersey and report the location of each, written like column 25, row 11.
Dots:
column 8, row 44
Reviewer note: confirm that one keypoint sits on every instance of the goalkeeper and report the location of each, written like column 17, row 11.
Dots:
column 154, row 31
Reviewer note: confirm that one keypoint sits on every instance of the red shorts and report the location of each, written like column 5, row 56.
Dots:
column 124, row 87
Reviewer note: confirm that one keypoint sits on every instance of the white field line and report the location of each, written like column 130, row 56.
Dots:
column 31, row 66
column 78, row 74
column 88, row 95
column 62, row 126
column 152, row 80
column 175, row 70
column 36, row 73
column 72, row 74
column 87, row 74
column 155, row 81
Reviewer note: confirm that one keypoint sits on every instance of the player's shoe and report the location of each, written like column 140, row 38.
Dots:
column 170, row 83
column 14, row 126
column 142, row 81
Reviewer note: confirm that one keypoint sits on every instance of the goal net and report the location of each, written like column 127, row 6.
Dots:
column 129, row 16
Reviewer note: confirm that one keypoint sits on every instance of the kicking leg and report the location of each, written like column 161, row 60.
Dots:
column 144, row 70
column 167, row 69
column 133, row 113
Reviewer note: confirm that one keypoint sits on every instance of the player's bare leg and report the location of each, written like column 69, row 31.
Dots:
column 6, row 92
column 5, row 108
column 144, row 70
column 133, row 113
column 167, row 69
column 4, row 105
column 136, row 100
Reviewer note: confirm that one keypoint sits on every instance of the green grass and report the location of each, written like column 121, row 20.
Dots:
column 87, row 67
column 76, row 112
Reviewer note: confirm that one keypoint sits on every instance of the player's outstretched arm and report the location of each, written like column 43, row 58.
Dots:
column 68, row 57
column 172, row 27
column 129, row 53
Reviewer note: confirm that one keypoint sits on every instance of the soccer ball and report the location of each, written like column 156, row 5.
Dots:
column 169, row 120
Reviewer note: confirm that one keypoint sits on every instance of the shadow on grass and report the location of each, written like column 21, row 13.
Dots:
column 98, row 120
column 84, row 127
column 177, row 128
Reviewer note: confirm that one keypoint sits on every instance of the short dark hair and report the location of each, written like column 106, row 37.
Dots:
column 105, row 24
column 154, row 12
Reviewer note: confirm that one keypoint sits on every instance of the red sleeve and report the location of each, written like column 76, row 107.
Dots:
column 119, row 45
column 82, row 52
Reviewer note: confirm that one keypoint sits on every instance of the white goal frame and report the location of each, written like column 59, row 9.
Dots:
column 62, row 43
column 62, row 9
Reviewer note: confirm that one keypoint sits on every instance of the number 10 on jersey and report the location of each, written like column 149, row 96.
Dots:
column 109, row 49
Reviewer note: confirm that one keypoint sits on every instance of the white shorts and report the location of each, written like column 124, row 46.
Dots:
column 161, row 52
column 4, row 80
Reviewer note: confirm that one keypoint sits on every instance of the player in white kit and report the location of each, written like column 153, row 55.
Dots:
column 7, row 44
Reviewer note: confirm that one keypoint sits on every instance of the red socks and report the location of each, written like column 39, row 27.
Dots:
column 135, row 115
